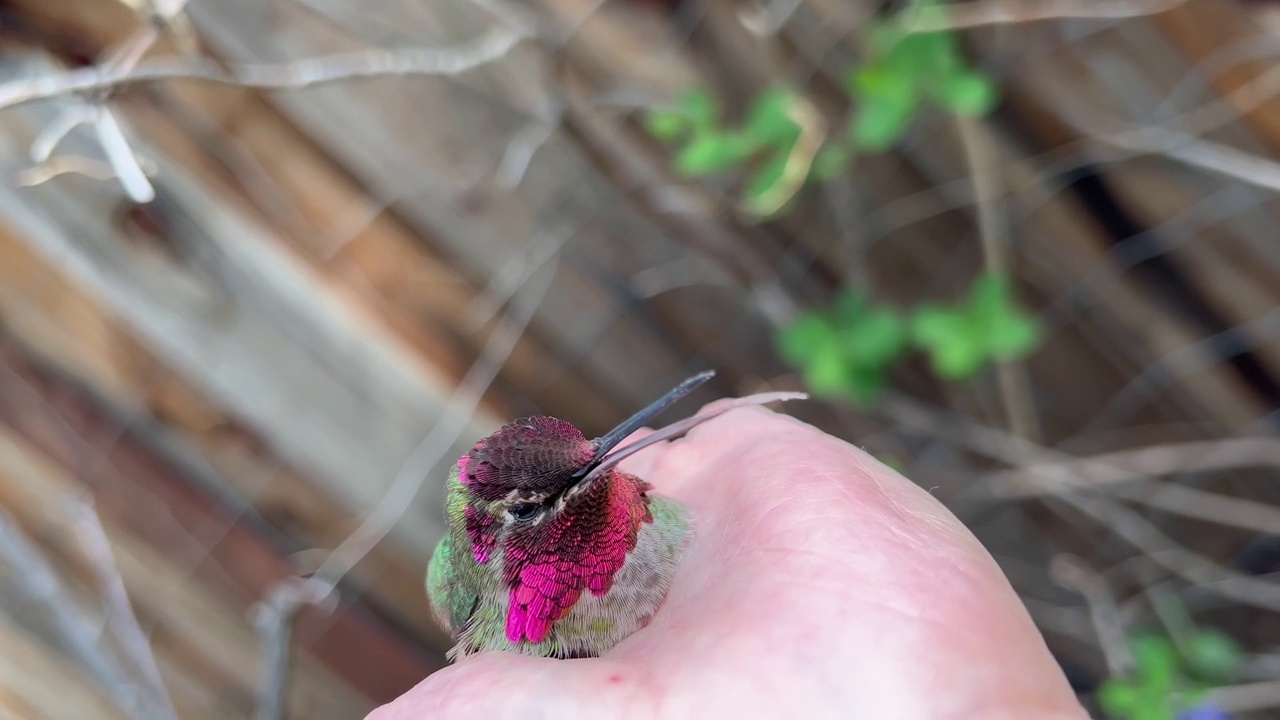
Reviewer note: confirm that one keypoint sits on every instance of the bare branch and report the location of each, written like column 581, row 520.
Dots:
column 1139, row 532
column 121, row 620
column 291, row 75
column 988, row 188
column 1126, row 465
column 276, row 614
column 121, row 158
column 58, row 128
column 63, row 165
column 1072, row 572
column 1246, row 698
column 767, row 18
column 273, row 618
column 40, row 586
column 1005, row 12
column 520, row 151
column 1194, row 151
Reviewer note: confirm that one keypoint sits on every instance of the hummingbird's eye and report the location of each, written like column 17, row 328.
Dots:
column 524, row 511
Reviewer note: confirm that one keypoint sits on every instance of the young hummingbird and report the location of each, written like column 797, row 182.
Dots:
column 551, row 550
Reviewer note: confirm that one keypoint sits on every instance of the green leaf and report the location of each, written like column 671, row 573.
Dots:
column 869, row 336
column 712, row 153
column 667, row 125
column 880, row 122
column 805, row 338
column 849, row 307
column 763, row 190
column 958, row 360
column 1157, row 661
column 830, row 161
column 933, row 326
column 769, row 120
column 701, row 108
column 1213, row 655
column 921, row 55
column 876, row 339
column 1013, row 337
column 1155, row 709
column 1118, row 697
column 879, row 83
column 826, row 373
column 864, row 385
column 968, row 93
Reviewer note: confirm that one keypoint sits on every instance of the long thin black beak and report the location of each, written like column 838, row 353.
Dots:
column 611, row 439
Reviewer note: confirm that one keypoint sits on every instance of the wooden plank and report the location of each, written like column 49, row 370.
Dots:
column 479, row 229
column 1063, row 80
column 252, row 328
column 137, row 488
column 52, row 317
column 194, row 632
column 1202, row 29
column 35, row 683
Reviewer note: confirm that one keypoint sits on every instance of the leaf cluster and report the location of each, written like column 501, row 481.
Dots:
column 1169, row 682
column 905, row 71
column 763, row 146
column 847, row 350
column 902, row 72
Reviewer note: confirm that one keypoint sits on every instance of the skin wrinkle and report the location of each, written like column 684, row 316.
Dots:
column 883, row 605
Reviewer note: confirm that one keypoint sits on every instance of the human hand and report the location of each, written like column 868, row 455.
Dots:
column 819, row 583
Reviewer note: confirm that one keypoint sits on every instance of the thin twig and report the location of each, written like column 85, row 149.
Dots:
column 521, row 149
column 767, row 18
column 1145, row 462
column 1011, row 375
column 1004, row 12
column 1138, row 531
column 273, row 619
column 276, row 614
column 67, row 165
column 1246, row 698
column 296, row 74
column 121, row 158
column 124, row 164
column 1073, row 573
column 57, row 129
column 120, row 617
column 42, row 589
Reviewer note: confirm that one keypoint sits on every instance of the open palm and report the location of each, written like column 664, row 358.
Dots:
column 819, row 583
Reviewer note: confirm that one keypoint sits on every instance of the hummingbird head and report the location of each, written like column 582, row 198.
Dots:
column 534, row 469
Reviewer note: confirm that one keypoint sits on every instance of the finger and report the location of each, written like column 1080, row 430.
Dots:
column 810, row 554
column 506, row 685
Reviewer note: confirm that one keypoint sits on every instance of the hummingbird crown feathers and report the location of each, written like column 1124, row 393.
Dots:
column 532, row 457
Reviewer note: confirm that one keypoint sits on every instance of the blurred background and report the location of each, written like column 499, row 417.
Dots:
column 267, row 267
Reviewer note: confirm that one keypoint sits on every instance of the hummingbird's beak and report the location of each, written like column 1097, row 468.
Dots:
column 611, row 439
column 604, row 460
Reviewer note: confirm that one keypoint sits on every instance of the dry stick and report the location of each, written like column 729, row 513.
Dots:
column 1074, row 573
column 980, row 152
column 1107, row 471
column 276, row 616
column 121, row 619
column 1005, row 12
column 1139, row 532
column 1125, row 465
column 39, row 583
column 124, row 164
column 291, row 75
column 1244, row 698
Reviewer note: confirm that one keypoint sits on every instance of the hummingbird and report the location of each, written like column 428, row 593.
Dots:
column 553, row 551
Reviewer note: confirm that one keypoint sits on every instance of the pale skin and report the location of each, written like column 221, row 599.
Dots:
column 820, row 583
